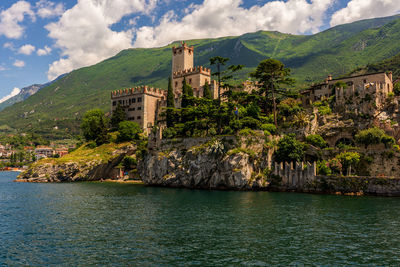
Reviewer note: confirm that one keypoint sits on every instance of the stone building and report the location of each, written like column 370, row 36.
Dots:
column 377, row 85
column 144, row 104
column 183, row 68
column 141, row 104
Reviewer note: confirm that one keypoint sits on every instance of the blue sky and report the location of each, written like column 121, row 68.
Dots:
column 41, row 39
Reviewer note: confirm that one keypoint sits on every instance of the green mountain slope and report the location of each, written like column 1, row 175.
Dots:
column 335, row 51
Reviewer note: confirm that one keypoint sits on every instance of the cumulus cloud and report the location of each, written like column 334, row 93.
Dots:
column 9, row 45
column 13, row 93
column 11, row 18
column 19, row 63
column 26, row 49
column 84, row 34
column 43, row 51
column 48, row 9
column 227, row 17
column 365, row 9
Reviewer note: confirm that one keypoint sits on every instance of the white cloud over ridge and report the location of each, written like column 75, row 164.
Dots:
column 84, row 34
column 13, row 93
column 19, row 63
column 26, row 49
column 11, row 18
column 365, row 9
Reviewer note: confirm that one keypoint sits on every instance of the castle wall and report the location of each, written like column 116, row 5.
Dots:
column 140, row 104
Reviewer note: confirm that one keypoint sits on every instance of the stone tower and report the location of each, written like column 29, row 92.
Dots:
column 182, row 58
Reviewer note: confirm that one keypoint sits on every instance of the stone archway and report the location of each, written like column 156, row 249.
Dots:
column 343, row 137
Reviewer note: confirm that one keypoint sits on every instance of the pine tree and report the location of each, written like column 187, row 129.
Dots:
column 207, row 91
column 118, row 116
column 185, row 94
column 170, row 104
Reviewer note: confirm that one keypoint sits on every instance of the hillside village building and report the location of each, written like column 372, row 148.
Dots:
column 144, row 104
column 360, row 91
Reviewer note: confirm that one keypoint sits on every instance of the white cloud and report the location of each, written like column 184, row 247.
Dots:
column 9, row 45
column 13, row 93
column 365, row 9
column 48, row 9
column 2, row 68
column 11, row 18
column 19, row 63
column 84, row 32
column 44, row 51
column 228, row 17
column 26, row 49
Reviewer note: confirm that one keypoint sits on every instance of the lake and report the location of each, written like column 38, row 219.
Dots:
column 85, row 224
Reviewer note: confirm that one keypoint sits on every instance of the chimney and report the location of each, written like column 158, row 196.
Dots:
column 390, row 75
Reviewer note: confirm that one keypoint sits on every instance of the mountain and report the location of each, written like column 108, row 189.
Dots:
column 390, row 64
column 336, row 51
column 25, row 93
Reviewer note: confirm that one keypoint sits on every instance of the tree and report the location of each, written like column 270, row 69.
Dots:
column 128, row 131
column 289, row 149
column 374, row 136
column 348, row 159
column 223, row 76
column 117, row 116
column 170, row 104
column 94, row 126
column 207, row 91
column 271, row 74
column 187, row 93
column 316, row 140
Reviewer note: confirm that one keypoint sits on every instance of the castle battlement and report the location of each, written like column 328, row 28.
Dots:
column 180, row 50
column 190, row 71
column 157, row 92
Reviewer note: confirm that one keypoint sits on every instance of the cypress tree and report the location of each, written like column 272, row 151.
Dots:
column 185, row 94
column 207, row 91
column 118, row 116
column 170, row 104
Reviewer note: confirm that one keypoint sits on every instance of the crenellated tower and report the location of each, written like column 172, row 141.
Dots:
column 182, row 57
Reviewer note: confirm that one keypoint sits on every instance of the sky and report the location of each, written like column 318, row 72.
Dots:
column 42, row 39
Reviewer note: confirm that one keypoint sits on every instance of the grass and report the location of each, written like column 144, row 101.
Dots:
column 84, row 154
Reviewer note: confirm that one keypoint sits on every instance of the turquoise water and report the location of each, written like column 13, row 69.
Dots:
column 112, row 224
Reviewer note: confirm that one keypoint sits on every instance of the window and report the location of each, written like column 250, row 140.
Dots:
column 190, row 81
column 139, row 108
column 130, row 101
column 131, row 109
column 139, row 99
column 133, row 100
column 139, row 117
column 176, row 84
column 365, row 81
column 120, row 102
column 114, row 103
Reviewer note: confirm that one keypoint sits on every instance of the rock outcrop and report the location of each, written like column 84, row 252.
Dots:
column 75, row 171
column 210, row 164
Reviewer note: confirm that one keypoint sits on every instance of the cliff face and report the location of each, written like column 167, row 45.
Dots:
column 208, row 164
column 83, row 165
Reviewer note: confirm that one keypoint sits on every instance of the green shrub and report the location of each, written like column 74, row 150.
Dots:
column 316, row 140
column 289, row 149
column 269, row 127
column 128, row 131
column 247, row 132
column 374, row 136
column 91, row 145
column 323, row 168
column 250, row 122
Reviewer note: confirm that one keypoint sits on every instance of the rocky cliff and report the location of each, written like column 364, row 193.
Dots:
column 85, row 164
column 238, row 163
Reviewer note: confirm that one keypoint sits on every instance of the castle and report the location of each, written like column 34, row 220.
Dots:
column 144, row 104
column 357, row 93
